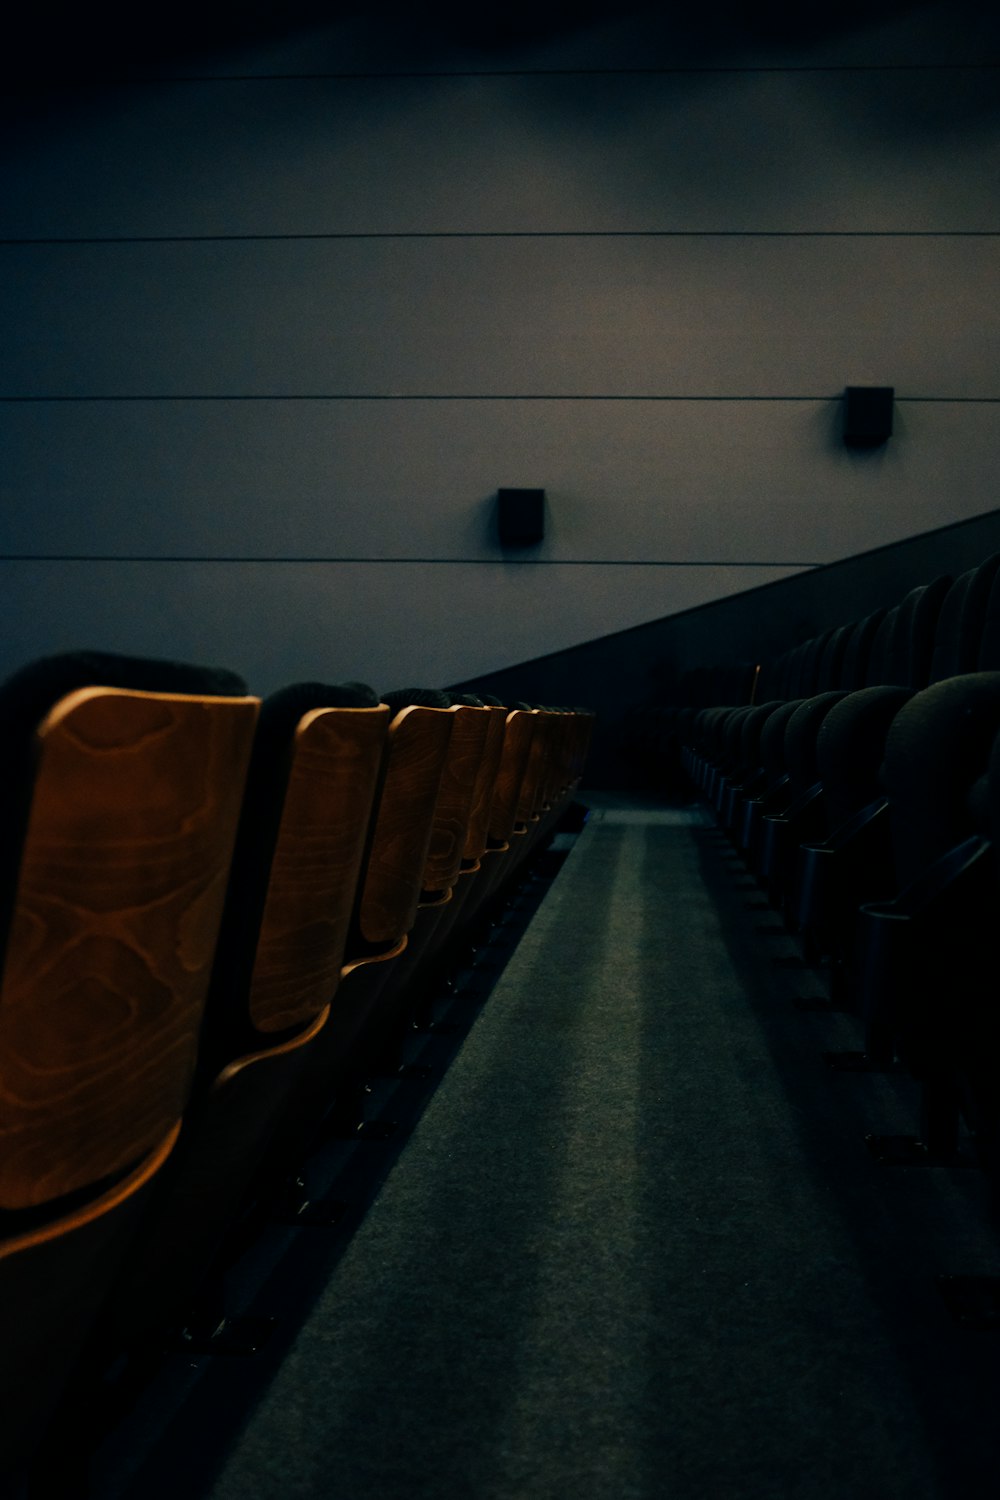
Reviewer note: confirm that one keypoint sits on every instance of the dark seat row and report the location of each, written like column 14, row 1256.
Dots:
column 217, row 916
column 862, row 788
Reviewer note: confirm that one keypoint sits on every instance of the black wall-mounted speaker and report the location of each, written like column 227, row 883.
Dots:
column 520, row 517
column 868, row 415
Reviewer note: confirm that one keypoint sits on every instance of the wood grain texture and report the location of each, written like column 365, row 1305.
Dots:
column 314, row 874
column 120, row 892
column 417, row 744
column 513, row 764
column 482, row 797
column 453, row 808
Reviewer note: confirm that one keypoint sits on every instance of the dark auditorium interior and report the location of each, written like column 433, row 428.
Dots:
column 500, row 729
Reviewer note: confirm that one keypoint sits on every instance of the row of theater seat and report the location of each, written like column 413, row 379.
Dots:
column 217, row 916
column 861, row 786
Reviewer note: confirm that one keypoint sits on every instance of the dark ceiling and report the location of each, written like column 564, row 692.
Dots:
column 52, row 51
column 70, row 39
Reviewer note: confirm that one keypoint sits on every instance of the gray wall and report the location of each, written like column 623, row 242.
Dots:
column 279, row 325
column 645, row 666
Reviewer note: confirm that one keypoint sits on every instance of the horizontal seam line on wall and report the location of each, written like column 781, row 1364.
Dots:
column 828, row 396
column 167, row 80
column 464, row 562
column 508, row 234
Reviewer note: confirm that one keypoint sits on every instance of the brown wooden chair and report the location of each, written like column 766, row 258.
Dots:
column 315, row 769
column 559, row 782
column 120, row 813
column 455, row 919
column 505, row 833
column 388, row 1019
column 534, row 802
column 557, row 739
column 385, row 908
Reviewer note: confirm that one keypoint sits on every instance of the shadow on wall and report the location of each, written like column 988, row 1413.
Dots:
column 627, row 678
column 689, row 173
column 64, row 37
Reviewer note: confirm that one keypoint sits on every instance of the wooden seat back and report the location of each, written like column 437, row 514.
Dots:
column 390, row 886
column 312, row 783
column 485, row 787
column 111, row 936
column 453, row 808
column 336, row 762
column 518, row 735
column 556, row 775
column 534, row 782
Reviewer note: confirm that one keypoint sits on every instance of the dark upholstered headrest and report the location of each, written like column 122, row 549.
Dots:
column 417, row 697
column 913, row 637
column 877, row 671
column 988, row 659
column 938, row 747
column 27, row 696
column 855, row 664
column 946, row 655
column 832, row 663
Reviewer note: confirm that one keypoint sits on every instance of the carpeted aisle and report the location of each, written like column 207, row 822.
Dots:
column 635, row 1246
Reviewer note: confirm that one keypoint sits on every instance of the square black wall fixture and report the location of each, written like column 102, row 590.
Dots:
column 520, row 517
column 868, row 415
